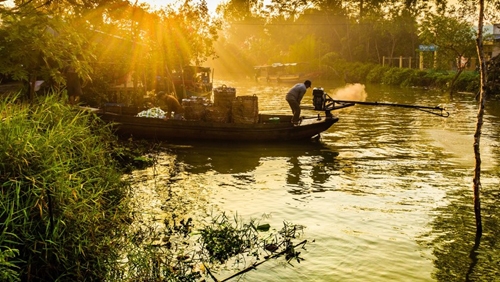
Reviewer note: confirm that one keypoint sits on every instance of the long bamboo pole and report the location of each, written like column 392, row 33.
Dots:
column 390, row 104
column 331, row 105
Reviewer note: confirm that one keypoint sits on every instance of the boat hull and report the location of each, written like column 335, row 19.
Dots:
column 264, row 131
column 288, row 78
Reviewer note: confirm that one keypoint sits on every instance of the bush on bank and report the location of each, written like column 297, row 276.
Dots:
column 63, row 203
column 468, row 81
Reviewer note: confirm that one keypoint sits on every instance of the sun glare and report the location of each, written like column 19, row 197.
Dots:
column 212, row 4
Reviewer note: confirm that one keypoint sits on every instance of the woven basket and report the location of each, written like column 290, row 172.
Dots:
column 245, row 109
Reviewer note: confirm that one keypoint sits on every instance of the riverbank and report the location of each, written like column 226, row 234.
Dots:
column 62, row 195
column 468, row 81
column 73, row 210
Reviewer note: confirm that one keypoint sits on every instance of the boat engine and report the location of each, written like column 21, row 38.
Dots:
column 323, row 102
column 319, row 99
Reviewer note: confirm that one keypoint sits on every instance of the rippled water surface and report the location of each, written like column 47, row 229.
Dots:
column 385, row 194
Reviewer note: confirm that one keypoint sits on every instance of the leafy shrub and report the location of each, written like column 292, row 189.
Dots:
column 418, row 78
column 357, row 72
column 396, row 76
column 376, row 74
column 404, row 77
column 467, row 81
column 442, row 79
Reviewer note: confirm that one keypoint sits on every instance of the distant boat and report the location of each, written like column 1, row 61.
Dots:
column 193, row 81
column 289, row 72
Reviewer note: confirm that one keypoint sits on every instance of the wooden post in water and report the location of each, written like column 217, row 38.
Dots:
column 477, row 133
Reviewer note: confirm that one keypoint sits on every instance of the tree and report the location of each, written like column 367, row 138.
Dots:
column 62, row 42
column 240, row 10
column 454, row 38
column 37, row 45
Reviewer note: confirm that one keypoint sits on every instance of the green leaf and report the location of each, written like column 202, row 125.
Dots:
column 263, row 227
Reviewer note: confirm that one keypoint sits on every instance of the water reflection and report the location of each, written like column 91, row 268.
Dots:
column 386, row 193
column 312, row 159
column 456, row 257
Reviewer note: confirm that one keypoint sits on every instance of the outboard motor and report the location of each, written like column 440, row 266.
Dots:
column 319, row 99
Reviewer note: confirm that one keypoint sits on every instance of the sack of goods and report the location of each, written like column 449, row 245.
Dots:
column 245, row 109
column 194, row 108
column 152, row 113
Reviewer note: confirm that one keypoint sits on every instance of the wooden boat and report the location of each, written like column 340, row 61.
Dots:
column 289, row 73
column 268, row 128
column 193, row 81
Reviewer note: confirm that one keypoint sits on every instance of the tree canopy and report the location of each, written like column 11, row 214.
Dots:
column 266, row 32
column 101, row 40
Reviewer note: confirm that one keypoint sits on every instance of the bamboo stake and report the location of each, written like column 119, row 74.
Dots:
column 480, row 114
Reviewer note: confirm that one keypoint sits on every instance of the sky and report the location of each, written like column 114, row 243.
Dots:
column 212, row 4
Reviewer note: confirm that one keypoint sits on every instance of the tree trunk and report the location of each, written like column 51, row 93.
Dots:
column 454, row 80
column 480, row 114
column 73, row 86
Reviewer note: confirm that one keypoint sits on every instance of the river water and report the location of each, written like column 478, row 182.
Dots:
column 384, row 195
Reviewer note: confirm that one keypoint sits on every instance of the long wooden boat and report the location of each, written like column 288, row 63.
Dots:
column 269, row 128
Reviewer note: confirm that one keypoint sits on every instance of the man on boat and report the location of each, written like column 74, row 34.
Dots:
column 172, row 105
column 294, row 96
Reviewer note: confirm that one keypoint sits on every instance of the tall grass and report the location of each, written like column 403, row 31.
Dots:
column 62, row 201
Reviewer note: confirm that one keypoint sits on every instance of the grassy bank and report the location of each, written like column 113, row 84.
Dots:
column 63, row 203
column 468, row 81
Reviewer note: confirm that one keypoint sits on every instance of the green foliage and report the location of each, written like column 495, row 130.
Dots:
column 376, row 74
column 9, row 271
column 404, row 77
column 40, row 45
column 417, row 78
column 48, row 41
column 468, row 81
column 174, row 252
column 222, row 240
column 441, row 79
column 396, row 76
column 357, row 72
column 331, row 65
column 63, row 202
column 453, row 36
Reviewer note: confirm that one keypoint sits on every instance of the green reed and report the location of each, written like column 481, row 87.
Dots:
column 65, row 213
column 62, row 201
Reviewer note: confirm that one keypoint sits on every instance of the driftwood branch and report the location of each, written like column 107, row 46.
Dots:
column 210, row 273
